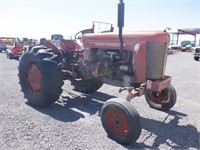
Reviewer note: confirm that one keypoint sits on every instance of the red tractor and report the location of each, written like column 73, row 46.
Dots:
column 133, row 61
column 16, row 47
column 13, row 47
column 9, row 45
column 15, row 50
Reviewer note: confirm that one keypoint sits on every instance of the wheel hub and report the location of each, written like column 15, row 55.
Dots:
column 159, row 98
column 117, row 122
column 34, row 78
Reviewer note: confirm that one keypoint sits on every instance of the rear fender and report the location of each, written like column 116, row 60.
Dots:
column 54, row 48
column 72, row 46
column 67, row 45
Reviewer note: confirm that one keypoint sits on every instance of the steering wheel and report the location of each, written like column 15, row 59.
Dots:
column 78, row 35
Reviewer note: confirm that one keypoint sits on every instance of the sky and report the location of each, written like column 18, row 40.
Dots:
column 41, row 18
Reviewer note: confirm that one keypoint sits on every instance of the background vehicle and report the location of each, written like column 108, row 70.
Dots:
column 197, row 53
column 174, row 47
column 133, row 61
column 2, row 47
column 13, row 46
column 15, row 50
column 4, row 41
column 187, row 46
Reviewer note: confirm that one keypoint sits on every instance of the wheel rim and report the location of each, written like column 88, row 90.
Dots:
column 159, row 98
column 33, row 78
column 117, row 122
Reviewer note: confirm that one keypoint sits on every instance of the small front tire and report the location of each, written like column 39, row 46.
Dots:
column 161, row 101
column 121, row 121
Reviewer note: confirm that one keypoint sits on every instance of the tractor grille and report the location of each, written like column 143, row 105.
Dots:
column 156, row 60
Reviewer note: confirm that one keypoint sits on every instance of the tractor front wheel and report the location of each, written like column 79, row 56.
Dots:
column 164, row 100
column 121, row 121
column 40, row 77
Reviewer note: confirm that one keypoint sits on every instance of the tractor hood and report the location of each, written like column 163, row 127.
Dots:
column 147, row 36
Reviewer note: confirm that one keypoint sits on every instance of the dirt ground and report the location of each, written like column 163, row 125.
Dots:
column 73, row 122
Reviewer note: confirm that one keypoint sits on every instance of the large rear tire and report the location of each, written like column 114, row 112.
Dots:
column 161, row 101
column 121, row 121
column 40, row 77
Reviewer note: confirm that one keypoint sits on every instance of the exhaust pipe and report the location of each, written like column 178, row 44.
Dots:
column 121, row 22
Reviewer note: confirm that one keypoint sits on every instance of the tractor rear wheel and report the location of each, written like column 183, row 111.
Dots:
column 40, row 77
column 121, row 121
column 161, row 101
column 87, row 86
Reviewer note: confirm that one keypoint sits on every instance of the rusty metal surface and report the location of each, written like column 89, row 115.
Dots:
column 111, row 40
column 158, row 85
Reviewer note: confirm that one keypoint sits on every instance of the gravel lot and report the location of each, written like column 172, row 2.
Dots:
column 74, row 123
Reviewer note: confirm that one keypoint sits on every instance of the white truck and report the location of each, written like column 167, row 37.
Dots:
column 197, row 53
